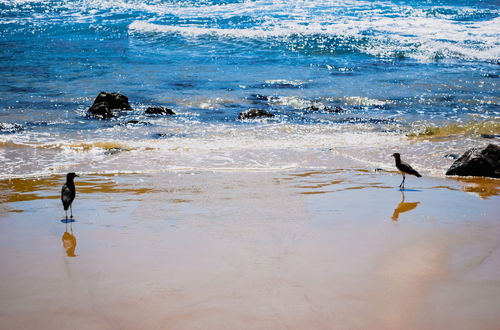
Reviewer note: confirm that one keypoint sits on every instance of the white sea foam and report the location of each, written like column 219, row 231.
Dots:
column 292, row 101
column 364, row 101
column 221, row 147
column 377, row 28
column 285, row 82
column 396, row 30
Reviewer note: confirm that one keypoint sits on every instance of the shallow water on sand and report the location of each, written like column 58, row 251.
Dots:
column 295, row 249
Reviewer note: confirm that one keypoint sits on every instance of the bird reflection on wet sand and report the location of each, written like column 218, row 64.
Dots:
column 69, row 240
column 403, row 207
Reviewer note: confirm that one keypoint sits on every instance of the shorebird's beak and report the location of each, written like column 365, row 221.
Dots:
column 77, row 175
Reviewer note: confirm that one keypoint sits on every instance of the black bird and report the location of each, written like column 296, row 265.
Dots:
column 404, row 168
column 68, row 193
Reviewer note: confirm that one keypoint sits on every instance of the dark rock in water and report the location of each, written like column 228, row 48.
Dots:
column 159, row 111
column 10, row 127
column 169, row 135
column 478, row 162
column 164, row 135
column 101, row 110
column 314, row 107
column 116, row 101
column 321, row 107
column 358, row 120
column 113, row 151
column 254, row 113
column 105, row 103
column 335, row 109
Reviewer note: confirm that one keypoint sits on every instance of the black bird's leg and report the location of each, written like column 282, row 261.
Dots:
column 71, row 209
column 402, row 185
column 66, row 214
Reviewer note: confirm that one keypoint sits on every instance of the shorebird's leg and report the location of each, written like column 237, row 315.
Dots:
column 66, row 214
column 403, row 183
column 71, row 209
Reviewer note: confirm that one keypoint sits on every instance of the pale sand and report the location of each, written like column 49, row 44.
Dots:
column 325, row 249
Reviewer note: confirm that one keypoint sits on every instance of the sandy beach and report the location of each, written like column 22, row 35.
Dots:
column 235, row 168
column 298, row 249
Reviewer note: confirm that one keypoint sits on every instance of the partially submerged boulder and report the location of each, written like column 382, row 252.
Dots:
column 478, row 162
column 159, row 111
column 100, row 110
column 254, row 113
column 105, row 105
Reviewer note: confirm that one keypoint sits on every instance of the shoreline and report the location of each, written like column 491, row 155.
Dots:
column 263, row 147
column 251, row 250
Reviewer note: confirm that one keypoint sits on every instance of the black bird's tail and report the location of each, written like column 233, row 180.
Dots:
column 417, row 174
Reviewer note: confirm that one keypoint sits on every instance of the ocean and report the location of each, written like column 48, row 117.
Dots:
column 415, row 77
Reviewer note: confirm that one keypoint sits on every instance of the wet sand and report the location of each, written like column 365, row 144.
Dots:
column 299, row 249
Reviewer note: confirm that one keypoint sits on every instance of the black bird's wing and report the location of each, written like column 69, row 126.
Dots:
column 66, row 197
column 408, row 169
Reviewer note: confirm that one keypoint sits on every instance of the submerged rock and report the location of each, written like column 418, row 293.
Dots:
column 254, row 113
column 159, row 111
column 113, row 151
column 106, row 103
column 10, row 127
column 322, row 107
column 478, row 162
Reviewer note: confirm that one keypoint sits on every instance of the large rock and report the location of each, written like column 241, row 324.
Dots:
column 478, row 162
column 105, row 104
column 254, row 113
column 159, row 111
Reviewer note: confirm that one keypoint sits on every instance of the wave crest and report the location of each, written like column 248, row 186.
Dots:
column 423, row 38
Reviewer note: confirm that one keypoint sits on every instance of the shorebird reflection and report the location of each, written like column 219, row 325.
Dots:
column 403, row 207
column 69, row 241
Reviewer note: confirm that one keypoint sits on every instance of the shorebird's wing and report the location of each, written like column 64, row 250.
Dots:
column 408, row 169
column 65, row 195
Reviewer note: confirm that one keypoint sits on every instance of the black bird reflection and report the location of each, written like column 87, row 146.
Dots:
column 69, row 240
column 403, row 207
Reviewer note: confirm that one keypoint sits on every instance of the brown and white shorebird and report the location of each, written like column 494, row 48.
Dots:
column 68, row 193
column 404, row 168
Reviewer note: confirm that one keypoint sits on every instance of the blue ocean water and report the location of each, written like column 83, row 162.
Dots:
column 394, row 67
